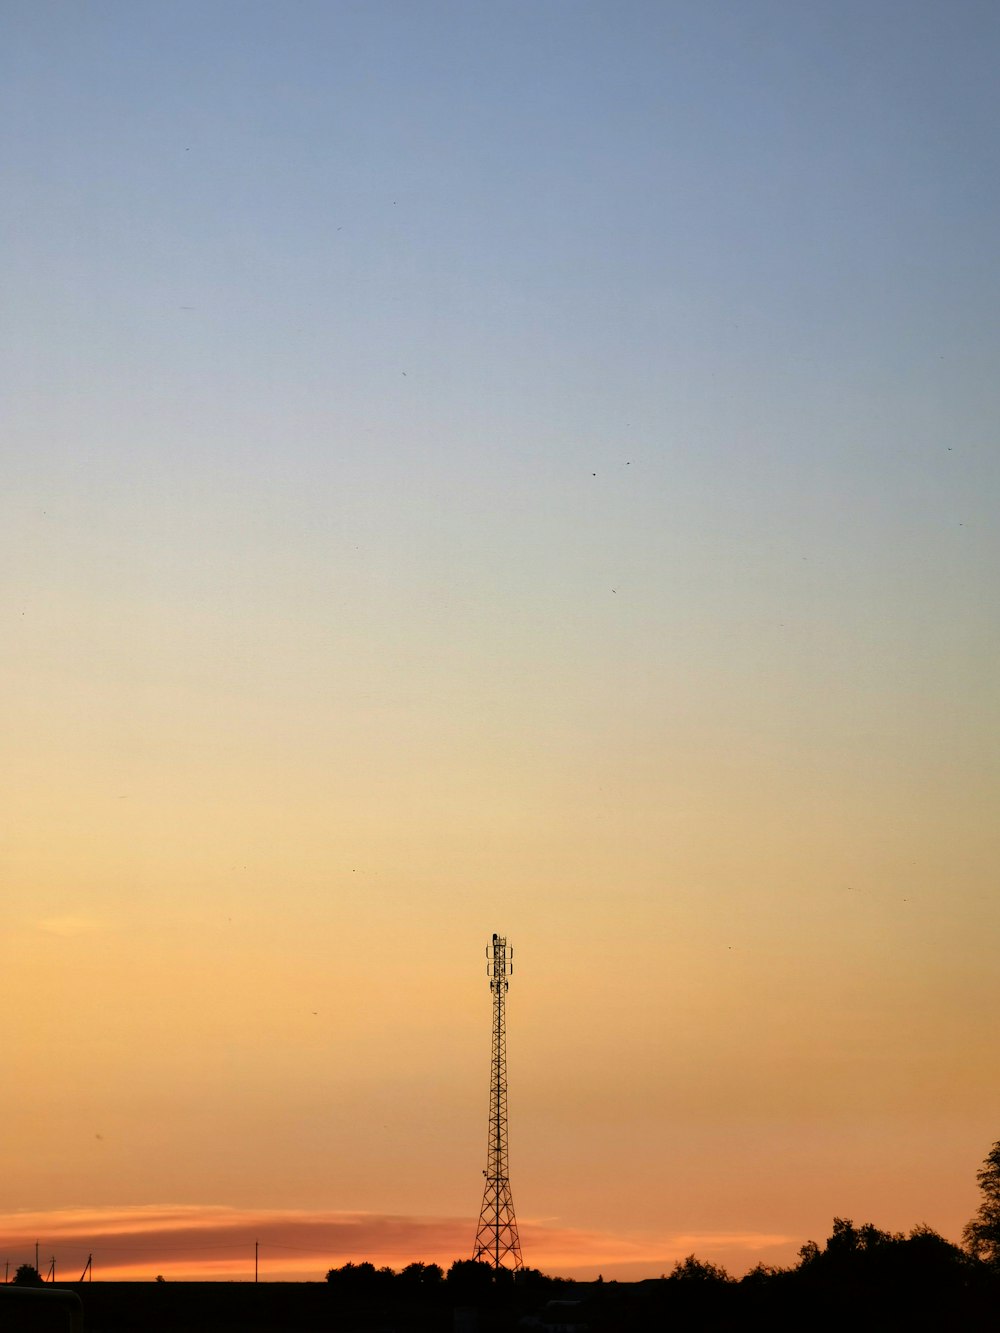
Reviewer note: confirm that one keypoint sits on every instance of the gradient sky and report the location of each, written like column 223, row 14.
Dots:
column 497, row 466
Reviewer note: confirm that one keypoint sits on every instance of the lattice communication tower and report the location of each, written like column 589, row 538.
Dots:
column 496, row 1238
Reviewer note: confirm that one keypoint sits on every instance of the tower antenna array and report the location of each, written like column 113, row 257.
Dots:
column 496, row 1238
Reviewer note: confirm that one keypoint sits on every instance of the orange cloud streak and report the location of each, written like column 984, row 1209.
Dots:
column 216, row 1242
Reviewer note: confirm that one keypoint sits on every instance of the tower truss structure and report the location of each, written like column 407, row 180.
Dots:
column 497, row 1241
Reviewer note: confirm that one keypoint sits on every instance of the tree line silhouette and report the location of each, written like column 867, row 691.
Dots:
column 861, row 1278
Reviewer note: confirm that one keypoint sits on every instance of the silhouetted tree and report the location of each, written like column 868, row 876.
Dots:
column 697, row 1270
column 28, row 1275
column 535, row 1282
column 471, row 1280
column 354, row 1279
column 695, row 1294
column 919, row 1281
column 981, row 1236
column 809, row 1253
column 762, row 1273
column 845, row 1243
column 424, row 1277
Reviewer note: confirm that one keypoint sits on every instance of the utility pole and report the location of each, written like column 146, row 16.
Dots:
column 256, row 1251
column 497, row 1241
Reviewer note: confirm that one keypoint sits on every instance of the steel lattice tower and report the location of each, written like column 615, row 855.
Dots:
column 496, row 1238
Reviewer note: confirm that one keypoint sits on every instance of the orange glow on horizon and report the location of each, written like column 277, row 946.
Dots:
column 217, row 1243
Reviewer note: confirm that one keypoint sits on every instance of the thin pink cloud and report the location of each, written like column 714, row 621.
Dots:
column 204, row 1241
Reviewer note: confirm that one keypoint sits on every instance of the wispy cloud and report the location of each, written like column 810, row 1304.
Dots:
column 201, row 1241
column 67, row 926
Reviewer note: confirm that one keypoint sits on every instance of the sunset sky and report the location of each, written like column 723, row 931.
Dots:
column 518, row 465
